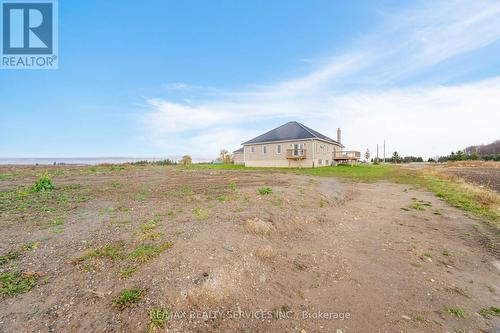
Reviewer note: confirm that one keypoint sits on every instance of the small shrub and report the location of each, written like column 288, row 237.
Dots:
column 157, row 318
column 44, row 183
column 265, row 190
column 16, row 283
column 128, row 298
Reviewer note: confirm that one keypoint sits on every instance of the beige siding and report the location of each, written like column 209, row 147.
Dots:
column 238, row 158
column 267, row 155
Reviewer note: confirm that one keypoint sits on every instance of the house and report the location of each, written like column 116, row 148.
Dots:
column 238, row 156
column 293, row 145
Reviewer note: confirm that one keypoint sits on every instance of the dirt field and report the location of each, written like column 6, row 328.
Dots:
column 315, row 255
column 483, row 174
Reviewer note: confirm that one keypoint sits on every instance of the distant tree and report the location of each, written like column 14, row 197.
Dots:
column 367, row 154
column 431, row 160
column 225, row 157
column 186, row 160
column 396, row 158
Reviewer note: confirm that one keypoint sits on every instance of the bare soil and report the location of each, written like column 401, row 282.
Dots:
column 312, row 252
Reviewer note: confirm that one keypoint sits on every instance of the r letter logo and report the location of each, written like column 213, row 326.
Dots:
column 29, row 34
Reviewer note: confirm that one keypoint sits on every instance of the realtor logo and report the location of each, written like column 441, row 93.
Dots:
column 29, row 34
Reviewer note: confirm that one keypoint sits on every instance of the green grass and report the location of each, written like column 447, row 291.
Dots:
column 128, row 298
column 112, row 251
column 128, row 271
column 16, row 283
column 146, row 252
column 158, row 318
column 265, row 190
column 12, row 255
column 456, row 312
column 490, row 312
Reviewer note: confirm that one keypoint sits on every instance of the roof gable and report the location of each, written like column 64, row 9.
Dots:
column 290, row 131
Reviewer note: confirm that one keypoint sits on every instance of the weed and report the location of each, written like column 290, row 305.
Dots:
column 417, row 206
column 259, row 227
column 265, row 190
column 427, row 255
column 116, row 185
column 9, row 256
column 170, row 213
column 157, row 318
column 58, row 221
column 128, row 298
column 490, row 312
column 418, row 318
column 299, row 265
column 223, row 198
column 146, row 252
column 89, row 267
column 128, row 271
column 30, row 246
column 200, row 214
column 446, row 253
column 16, row 283
column 457, row 312
column 232, row 186
column 491, row 289
column 113, row 251
column 44, row 183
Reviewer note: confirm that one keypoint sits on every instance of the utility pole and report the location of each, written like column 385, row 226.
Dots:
column 384, row 150
column 377, row 151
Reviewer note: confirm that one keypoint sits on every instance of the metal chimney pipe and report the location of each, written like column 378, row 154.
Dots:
column 338, row 135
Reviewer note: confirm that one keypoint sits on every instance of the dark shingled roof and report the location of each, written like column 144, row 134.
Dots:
column 290, row 131
column 238, row 151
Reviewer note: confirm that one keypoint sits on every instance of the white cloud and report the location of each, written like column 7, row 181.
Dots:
column 356, row 90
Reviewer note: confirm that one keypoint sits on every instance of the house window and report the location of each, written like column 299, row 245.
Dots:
column 264, row 150
column 326, row 162
column 253, row 149
column 278, row 149
column 320, row 162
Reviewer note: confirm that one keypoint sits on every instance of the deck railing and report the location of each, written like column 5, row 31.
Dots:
column 346, row 155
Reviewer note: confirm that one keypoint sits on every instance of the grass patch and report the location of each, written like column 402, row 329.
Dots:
column 490, row 312
column 146, row 252
column 200, row 214
column 232, row 186
column 12, row 255
column 417, row 206
column 112, row 251
column 128, row 298
column 16, row 283
column 128, row 271
column 456, row 312
column 265, row 190
column 157, row 318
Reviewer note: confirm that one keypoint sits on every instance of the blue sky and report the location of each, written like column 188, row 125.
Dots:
column 165, row 78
